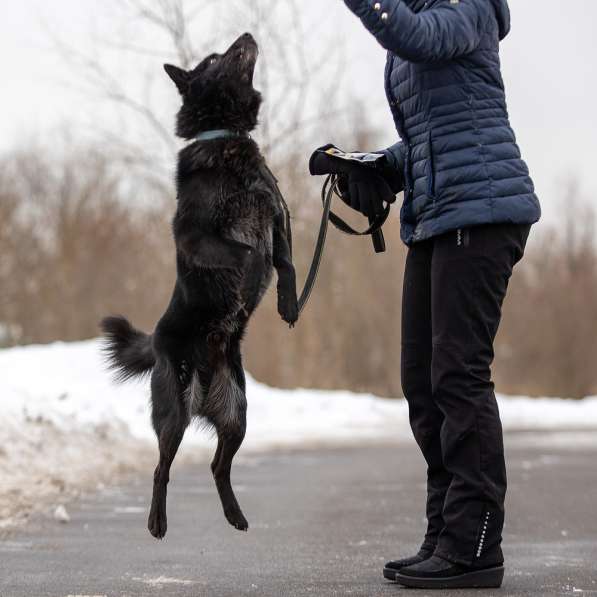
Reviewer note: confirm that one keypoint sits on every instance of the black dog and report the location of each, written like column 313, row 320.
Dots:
column 231, row 226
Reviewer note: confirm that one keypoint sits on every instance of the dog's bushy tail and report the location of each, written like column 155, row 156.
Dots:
column 129, row 351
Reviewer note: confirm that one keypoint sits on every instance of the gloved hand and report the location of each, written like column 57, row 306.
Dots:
column 362, row 186
column 365, row 190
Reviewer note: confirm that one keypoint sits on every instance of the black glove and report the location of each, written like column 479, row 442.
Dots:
column 366, row 191
column 361, row 184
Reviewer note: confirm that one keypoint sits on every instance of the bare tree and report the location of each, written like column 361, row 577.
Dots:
column 72, row 223
column 290, row 69
column 74, row 246
column 72, row 249
column 547, row 344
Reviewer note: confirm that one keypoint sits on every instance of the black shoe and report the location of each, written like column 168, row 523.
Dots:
column 391, row 568
column 437, row 573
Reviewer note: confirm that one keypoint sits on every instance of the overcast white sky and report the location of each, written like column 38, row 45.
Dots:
column 549, row 64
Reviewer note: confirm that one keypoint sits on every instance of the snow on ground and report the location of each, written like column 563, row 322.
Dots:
column 65, row 426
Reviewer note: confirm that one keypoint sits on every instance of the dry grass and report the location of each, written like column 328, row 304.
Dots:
column 75, row 244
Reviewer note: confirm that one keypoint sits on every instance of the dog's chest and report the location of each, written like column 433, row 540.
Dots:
column 250, row 220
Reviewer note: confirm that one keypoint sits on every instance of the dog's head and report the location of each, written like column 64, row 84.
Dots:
column 219, row 93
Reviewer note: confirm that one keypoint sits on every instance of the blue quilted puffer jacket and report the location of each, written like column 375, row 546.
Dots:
column 458, row 155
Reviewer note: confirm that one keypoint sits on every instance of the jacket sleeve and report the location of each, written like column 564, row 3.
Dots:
column 446, row 31
column 394, row 170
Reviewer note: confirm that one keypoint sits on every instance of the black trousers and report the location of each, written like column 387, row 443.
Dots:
column 454, row 286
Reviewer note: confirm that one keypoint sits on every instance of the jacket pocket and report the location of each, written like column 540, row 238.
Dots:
column 430, row 169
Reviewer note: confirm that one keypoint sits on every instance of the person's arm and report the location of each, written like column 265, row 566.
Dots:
column 394, row 169
column 450, row 30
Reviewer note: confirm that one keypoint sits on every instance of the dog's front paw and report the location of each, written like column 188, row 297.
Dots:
column 288, row 308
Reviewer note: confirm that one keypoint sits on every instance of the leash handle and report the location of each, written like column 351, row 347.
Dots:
column 375, row 225
column 379, row 242
column 375, row 222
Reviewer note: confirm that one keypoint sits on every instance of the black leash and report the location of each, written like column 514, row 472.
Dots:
column 329, row 189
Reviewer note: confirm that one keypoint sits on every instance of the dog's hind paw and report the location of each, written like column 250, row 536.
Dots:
column 237, row 520
column 157, row 523
column 244, row 526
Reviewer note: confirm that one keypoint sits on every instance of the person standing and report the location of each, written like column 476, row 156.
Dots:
column 468, row 207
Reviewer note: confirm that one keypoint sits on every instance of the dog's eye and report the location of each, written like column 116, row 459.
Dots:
column 213, row 60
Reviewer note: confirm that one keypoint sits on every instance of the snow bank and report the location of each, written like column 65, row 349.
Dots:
column 68, row 387
column 65, row 424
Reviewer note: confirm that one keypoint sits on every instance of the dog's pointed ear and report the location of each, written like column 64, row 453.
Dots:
column 180, row 77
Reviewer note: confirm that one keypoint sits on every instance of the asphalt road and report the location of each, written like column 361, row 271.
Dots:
column 322, row 524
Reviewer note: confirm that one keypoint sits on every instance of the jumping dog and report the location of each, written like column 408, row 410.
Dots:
column 231, row 229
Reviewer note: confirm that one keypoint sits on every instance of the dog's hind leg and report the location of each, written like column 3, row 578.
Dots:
column 234, row 515
column 216, row 458
column 228, row 408
column 170, row 419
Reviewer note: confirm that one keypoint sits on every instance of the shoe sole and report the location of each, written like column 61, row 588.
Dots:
column 390, row 574
column 490, row 578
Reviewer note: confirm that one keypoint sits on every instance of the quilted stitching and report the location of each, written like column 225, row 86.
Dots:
column 449, row 105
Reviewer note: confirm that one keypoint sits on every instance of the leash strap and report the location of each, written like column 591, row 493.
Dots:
column 326, row 197
column 273, row 181
column 330, row 188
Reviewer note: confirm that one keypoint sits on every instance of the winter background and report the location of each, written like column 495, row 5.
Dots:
column 66, row 428
column 86, row 156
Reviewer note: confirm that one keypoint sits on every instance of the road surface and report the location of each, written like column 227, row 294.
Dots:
column 323, row 522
